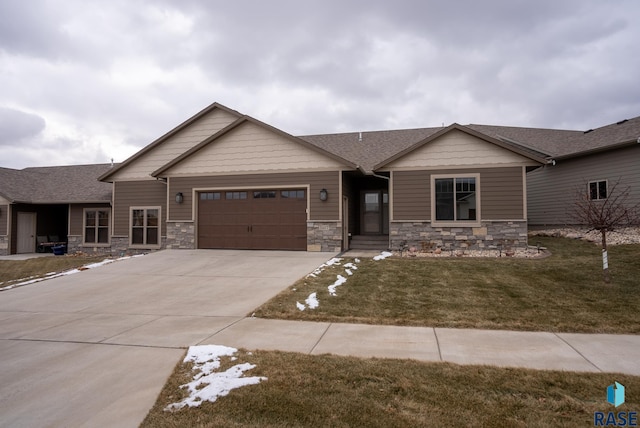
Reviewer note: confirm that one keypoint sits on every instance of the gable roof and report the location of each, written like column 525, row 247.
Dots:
column 57, row 184
column 367, row 149
column 511, row 147
column 168, row 135
column 248, row 119
column 566, row 143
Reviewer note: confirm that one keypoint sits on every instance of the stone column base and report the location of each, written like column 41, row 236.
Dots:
column 324, row 236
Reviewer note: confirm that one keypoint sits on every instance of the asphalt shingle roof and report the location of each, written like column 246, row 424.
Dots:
column 56, row 184
column 375, row 146
column 378, row 146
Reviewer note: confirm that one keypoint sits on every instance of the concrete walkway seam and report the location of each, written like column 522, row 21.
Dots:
column 320, row 338
column 579, row 353
column 435, row 334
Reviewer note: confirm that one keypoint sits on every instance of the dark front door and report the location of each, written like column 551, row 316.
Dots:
column 374, row 209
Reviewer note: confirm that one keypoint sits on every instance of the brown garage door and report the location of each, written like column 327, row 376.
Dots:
column 253, row 219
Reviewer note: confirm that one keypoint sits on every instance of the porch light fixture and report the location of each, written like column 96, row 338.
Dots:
column 179, row 197
column 324, row 195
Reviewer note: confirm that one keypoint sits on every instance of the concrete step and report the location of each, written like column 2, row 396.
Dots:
column 365, row 242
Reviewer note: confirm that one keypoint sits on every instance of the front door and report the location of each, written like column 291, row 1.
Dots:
column 375, row 209
column 26, row 233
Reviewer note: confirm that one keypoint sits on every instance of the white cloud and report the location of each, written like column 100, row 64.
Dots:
column 107, row 78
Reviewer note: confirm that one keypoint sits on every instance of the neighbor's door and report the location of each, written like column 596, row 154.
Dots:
column 26, row 233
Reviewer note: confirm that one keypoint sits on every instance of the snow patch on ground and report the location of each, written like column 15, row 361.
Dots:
column 383, row 255
column 51, row 275
column 319, row 269
column 207, row 384
column 332, row 288
column 312, row 301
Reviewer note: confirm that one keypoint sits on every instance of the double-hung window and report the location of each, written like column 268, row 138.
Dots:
column 145, row 226
column 96, row 226
column 455, row 198
column 598, row 190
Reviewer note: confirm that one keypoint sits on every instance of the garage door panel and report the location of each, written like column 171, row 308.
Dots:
column 247, row 219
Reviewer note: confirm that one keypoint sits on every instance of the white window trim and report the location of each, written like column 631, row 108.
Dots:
column 456, row 223
column 145, row 246
column 598, row 189
column 84, row 228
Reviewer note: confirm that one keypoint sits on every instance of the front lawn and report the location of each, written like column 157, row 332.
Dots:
column 560, row 293
column 330, row 391
column 13, row 271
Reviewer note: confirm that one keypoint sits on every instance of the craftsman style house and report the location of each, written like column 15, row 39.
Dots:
column 223, row 179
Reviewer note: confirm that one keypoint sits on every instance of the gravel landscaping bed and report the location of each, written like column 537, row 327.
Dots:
column 627, row 235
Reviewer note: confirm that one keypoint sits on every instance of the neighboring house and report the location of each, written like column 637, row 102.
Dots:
column 40, row 207
column 223, row 179
column 593, row 161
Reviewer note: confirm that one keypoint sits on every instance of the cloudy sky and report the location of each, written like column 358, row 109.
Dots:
column 86, row 81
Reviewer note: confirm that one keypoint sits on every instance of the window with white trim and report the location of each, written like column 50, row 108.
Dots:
column 96, row 226
column 598, row 190
column 145, row 226
column 456, row 198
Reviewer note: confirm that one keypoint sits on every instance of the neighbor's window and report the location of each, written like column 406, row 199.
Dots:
column 455, row 198
column 598, row 190
column 96, row 226
column 145, row 226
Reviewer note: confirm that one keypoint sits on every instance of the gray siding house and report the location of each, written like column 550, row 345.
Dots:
column 223, row 179
column 591, row 160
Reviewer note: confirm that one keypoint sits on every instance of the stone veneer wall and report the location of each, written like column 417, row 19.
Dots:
column 119, row 247
column 4, row 245
column 181, row 235
column 491, row 234
column 324, row 236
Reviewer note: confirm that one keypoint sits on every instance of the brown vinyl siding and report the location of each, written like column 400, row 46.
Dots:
column 501, row 193
column 411, row 195
column 129, row 194
column 4, row 219
column 551, row 189
column 76, row 220
column 328, row 210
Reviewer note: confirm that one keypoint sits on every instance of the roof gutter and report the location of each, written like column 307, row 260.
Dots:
column 628, row 143
column 371, row 173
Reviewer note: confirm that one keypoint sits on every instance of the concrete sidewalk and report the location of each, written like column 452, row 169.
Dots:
column 534, row 350
column 95, row 348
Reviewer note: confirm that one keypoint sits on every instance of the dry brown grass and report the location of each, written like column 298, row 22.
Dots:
column 563, row 292
column 12, row 271
column 331, row 391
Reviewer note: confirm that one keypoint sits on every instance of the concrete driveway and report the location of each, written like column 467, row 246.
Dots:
column 95, row 348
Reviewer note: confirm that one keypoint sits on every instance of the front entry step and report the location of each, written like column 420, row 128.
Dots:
column 369, row 242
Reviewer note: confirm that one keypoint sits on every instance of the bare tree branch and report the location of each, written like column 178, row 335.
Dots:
column 605, row 215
